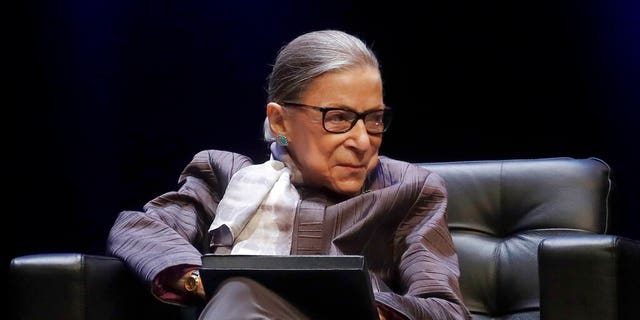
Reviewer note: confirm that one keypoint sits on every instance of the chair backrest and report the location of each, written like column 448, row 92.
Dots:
column 500, row 210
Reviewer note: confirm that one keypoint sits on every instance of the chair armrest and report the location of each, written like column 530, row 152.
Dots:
column 78, row 287
column 589, row 277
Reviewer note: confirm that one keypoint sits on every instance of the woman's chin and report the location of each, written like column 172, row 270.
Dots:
column 349, row 187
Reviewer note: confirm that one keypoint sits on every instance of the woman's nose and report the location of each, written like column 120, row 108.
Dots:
column 359, row 135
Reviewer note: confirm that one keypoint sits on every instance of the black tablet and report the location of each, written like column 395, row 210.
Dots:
column 321, row 286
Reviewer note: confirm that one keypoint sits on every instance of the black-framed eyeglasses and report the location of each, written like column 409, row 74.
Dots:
column 341, row 120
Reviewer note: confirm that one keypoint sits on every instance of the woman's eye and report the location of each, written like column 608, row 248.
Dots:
column 338, row 116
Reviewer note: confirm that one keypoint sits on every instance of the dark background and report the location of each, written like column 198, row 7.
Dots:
column 108, row 100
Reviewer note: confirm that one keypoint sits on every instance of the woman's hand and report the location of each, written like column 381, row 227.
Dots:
column 200, row 291
column 386, row 313
column 381, row 313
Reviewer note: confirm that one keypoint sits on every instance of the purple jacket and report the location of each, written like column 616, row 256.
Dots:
column 398, row 223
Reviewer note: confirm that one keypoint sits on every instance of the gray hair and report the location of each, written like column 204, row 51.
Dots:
column 309, row 56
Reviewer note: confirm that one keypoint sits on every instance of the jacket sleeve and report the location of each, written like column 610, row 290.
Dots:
column 427, row 268
column 171, row 229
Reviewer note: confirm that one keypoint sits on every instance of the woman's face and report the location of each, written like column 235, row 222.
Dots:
column 339, row 162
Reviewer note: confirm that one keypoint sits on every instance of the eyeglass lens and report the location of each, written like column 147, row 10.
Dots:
column 340, row 121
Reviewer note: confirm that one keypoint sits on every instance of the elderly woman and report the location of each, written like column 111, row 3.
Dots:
column 325, row 190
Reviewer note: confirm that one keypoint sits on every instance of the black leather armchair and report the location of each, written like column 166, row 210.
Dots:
column 531, row 236
column 532, row 240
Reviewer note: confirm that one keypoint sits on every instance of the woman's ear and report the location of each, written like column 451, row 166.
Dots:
column 277, row 119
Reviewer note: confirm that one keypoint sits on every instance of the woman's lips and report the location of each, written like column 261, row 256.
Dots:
column 352, row 166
